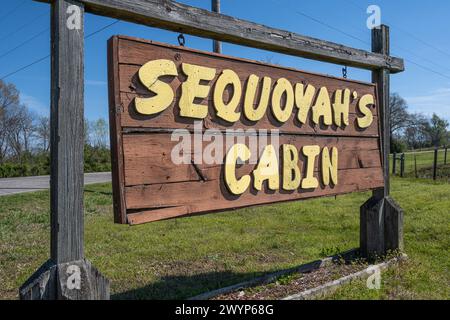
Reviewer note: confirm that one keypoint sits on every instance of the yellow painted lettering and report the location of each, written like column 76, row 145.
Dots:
column 291, row 171
column 236, row 186
column 228, row 111
column 148, row 75
column 303, row 100
column 267, row 169
column 322, row 108
column 252, row 84
column 192, row 89
column 341, row 107
column 311, row 153
column 330, row 166
column 363, row 107
column 282, row 87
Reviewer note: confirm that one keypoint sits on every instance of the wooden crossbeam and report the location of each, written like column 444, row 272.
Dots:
column 177, row 17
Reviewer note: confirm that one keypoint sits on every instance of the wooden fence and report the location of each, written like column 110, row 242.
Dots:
column 421, row 164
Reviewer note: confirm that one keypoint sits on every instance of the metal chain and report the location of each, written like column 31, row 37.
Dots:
column 344, row 72
column 181, row 40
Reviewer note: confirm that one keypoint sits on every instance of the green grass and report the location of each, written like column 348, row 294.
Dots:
column 183, row 257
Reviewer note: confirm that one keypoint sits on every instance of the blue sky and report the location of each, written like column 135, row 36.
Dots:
column 419, row 33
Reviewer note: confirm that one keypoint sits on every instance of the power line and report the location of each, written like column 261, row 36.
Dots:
column 427, row 69
column 366, row 42
column 330, row 26
column 25, row 67
column 47, row 56
column 2, row 18
column 23, row 43
column 407, row 32
column 423, row 58
column 396, row 45
column 413, row 53
column 101, row 29
column 32, row 21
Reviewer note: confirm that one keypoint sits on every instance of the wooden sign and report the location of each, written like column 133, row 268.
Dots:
column 197, row 132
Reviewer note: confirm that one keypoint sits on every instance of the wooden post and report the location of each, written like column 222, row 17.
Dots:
column 217, row 45
column 381, row 219
column 435, row 163
column 67, row 275
column 415, row 166
column 394, row 162
column 402, row 165
column 445, row 155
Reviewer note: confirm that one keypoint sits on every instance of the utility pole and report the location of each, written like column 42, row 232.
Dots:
column 215, row 7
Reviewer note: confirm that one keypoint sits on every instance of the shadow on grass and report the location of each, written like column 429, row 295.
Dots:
column 208, row 285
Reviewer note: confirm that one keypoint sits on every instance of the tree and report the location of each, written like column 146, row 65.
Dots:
column 100, row 133
column 87, row 132
column 399, row 116
column 9, row 98
column 415, row 135
column 42, row 131
column 20, row 131
column 436, row 128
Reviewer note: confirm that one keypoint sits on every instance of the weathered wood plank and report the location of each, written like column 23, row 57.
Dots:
column 115, row 120
column 147, row 157
column 177, row 199
column 381, row 218
column 133, row 53
column 170, row 119
column 177, row 17
column 381, row 44
column 67, row 136
column 154, row 186
column 67, row 275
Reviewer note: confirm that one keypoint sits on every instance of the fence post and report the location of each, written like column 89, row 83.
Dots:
column 415, row 166
column 67, row 275
column 381, row 219
column 445, row 156
column 402, row 165
column 394, row 162
column 435, row 164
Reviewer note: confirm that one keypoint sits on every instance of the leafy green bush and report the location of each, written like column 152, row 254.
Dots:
column 95, row 160
column 398, row 146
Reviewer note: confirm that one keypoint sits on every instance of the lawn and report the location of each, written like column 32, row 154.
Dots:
column 184, row 257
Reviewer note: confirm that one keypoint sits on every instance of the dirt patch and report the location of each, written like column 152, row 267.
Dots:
column 295, row 283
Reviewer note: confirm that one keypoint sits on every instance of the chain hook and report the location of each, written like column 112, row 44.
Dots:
column 344, row 72
column 181, row 40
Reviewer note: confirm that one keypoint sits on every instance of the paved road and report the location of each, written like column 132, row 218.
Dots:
column 29, row 184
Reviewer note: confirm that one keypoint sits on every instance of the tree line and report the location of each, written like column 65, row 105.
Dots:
column 25, row 139
column 411, row 131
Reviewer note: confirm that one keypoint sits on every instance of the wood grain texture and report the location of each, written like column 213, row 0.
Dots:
column 147, row 157
column 67, row 136
column 133, row 53
column 181, row 18
column 381, row 44
column 157, row 189
column 171, row 200
column 381, row 219
column 150, row 187
column 115, row 120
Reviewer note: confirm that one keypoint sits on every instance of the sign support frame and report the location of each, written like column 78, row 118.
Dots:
column 381, row 217
column 67, row 275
